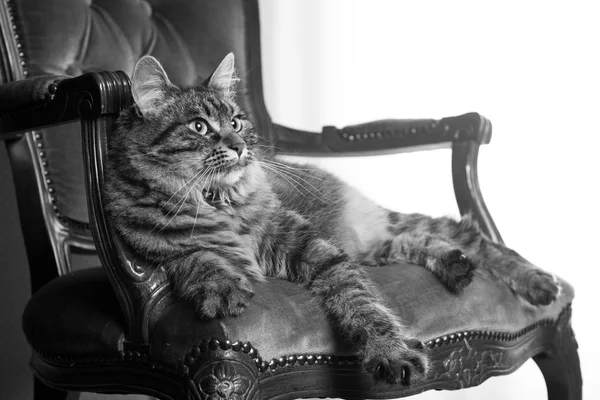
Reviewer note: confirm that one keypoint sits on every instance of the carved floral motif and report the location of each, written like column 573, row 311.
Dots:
column 224, row 383
column 467, row 366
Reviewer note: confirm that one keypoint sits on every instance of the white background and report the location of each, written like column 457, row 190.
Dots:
column 531, row 67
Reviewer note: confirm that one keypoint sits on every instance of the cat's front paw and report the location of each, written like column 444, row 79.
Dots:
column 457, row 271
column 540, row 288
column 396, row 361
column 228, row 298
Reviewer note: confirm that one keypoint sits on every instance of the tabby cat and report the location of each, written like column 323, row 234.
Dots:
column 189, row 188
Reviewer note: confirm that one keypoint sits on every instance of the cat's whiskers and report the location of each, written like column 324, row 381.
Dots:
column 289, row 167
column 197, row 176
column 295, row 181
column 292, row 172
column 191, row 182
column 195, row 219
column 178, row 210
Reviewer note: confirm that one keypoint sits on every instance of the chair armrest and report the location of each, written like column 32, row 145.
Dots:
column 50, row 100
column 463, row 133
column 385, row 136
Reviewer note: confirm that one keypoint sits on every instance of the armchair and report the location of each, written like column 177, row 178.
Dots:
column 116, row 328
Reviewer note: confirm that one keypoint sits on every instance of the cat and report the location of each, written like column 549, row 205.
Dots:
column 189, row 187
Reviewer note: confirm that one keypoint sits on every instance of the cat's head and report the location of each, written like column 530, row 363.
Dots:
column 196, row 135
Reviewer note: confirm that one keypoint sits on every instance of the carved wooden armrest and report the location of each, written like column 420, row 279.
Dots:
column 463, row 133
column 50, row 100
column 385, row 136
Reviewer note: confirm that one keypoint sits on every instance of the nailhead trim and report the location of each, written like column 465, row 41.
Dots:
column 491, row 335
column 37, row 137
column 12, row 16
column 43, row 161
column 396, row 133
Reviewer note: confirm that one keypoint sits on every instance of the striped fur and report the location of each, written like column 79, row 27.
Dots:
column 188, row 188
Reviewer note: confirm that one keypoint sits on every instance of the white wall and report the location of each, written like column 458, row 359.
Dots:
column 532, row 67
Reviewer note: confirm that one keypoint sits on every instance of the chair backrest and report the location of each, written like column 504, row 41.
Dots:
column 71, row 37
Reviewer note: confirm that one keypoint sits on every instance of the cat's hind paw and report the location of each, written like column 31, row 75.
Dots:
column 456, row 272
column 403, row 362
column 541, row 288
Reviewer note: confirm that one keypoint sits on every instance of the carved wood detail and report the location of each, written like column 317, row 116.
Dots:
column 467, row 366
column 222, row 371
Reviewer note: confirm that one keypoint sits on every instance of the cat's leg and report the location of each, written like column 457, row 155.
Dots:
column 355, row 307
column 214, row 284
column 443, row 258
column 535, row 285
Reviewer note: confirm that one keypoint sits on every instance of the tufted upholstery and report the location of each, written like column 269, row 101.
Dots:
column 71, row 37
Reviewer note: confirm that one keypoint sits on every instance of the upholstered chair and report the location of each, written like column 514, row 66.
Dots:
column 114, row 325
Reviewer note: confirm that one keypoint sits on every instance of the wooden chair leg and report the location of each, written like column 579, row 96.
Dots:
column 43, row 392
column 560, row 366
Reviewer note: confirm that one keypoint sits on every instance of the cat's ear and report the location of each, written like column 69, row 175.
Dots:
column 149, row 84
column 223, row 78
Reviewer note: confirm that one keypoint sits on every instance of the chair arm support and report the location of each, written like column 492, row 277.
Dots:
column 466, row 187
column 51, row 100
column 385, row 136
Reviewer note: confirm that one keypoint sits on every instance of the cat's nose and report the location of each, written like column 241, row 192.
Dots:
column 238, row 148
column 235, row 143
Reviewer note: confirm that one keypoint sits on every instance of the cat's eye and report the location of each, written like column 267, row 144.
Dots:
column 236, row 124
column 198, row 126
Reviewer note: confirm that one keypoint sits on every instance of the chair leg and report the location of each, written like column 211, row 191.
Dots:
column 560, row 366
column 43, row 392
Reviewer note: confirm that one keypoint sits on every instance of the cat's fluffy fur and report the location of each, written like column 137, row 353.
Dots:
column 188, row 189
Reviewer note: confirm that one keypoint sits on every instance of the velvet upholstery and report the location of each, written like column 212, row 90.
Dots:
column 66, row 317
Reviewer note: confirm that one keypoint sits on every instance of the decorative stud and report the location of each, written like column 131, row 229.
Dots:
column 246, row 347
column 226, row 345
column 196, row 351
column 273, row 363
column 213, row 344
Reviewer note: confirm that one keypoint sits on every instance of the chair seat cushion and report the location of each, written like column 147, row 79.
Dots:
column 78, row 315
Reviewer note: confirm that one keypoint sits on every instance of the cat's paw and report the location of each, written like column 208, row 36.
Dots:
column 396, row 361
column 457, row 271
column 540, row 288
column 229, row 298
